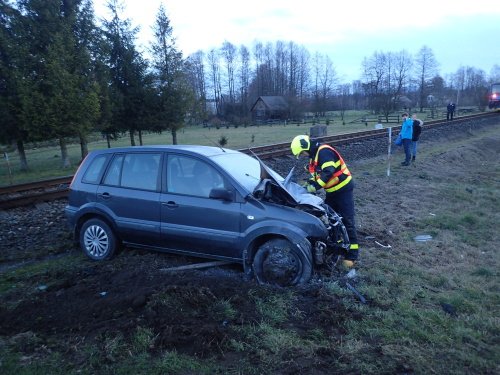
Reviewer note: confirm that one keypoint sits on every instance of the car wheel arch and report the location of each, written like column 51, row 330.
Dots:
column 263, row 234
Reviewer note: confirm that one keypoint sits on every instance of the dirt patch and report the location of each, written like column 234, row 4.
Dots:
column 132, row 291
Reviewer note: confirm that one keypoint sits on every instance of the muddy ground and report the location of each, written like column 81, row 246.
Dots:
column 65, row 308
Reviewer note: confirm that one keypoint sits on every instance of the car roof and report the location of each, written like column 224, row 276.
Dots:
column 207, row 151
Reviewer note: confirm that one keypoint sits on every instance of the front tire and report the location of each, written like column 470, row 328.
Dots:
column 279, row 262
column 97, row 240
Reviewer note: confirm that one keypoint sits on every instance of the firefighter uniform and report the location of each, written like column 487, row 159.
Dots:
column 329, row 171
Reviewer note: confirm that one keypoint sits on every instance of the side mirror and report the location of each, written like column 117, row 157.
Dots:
column 223, row 194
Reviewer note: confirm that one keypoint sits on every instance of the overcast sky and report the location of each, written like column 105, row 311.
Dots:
column 460, row 32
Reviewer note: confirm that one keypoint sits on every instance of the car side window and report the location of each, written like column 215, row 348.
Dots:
column 190, row 176
column 114, row 171
column 94, row 171
column 134, row 170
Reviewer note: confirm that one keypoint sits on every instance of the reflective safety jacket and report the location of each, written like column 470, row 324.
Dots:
column 328, row 169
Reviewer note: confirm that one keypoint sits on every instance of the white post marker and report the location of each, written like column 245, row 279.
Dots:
column 6, row 156
column 389, row 151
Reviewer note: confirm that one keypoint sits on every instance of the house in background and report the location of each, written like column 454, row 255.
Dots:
column 270, row 108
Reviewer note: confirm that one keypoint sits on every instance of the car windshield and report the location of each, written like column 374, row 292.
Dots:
column 245, row 169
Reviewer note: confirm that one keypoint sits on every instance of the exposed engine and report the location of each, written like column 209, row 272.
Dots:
column 293, row 195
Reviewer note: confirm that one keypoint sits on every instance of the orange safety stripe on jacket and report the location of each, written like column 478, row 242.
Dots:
column 335, row 182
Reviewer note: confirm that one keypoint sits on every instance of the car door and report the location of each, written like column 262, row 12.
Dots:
column 130, row 193
column 193, row 222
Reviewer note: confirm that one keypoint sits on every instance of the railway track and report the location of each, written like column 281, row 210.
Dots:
column 51, row 189
column 283, row 149
column 34, row 192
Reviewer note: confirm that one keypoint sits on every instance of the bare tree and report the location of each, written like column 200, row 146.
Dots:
column 495, row 74
column 402, row 64
column 265, row 79
column 269, row 83
column 426, row 68
column 258, row 53
column 213, row 59
column 343, row 94
column 244, row 79
column 324, row 80
column 228, row 53
column 196, row 74
column 358, row 96
column 477, row 88
column 292, row 51
column 303, row 73
column 457, row 84
column 386, row 75
column 374, row 69
column 471, row 87
column 281, row 64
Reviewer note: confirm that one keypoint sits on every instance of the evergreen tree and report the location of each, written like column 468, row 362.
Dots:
column 61, row 100
column 89, row 65
column 128, row 75
column 12, row 55
column 174, row 93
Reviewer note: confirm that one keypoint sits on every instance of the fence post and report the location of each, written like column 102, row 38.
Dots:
column 6, row 156
column 389, row 130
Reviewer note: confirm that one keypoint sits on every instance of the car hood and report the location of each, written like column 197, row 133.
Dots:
column 291, row 192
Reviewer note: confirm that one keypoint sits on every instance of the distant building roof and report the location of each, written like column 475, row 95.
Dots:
column 275, row 103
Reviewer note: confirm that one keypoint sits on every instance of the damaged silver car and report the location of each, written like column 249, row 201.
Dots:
column 202, row 201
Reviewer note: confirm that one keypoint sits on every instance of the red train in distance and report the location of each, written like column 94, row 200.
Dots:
column 494, row 96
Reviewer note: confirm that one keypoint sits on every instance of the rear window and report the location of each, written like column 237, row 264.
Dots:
column 94, row 171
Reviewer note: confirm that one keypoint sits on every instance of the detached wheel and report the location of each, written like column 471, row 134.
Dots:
column 279, row 262
column 97, row 240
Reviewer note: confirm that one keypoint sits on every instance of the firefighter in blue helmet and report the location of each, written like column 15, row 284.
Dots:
column 329, row 172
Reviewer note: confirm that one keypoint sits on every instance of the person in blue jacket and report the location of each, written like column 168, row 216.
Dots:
column 417, row 129
column 406, row 136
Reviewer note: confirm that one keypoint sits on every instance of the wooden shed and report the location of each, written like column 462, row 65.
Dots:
column 270, row 108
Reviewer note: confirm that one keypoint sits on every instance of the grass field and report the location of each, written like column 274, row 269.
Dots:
column 432, row 306
column 45, row 161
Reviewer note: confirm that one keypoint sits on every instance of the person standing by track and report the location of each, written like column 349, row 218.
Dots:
column 450, row 111
column 417, row 129
column 406, row 137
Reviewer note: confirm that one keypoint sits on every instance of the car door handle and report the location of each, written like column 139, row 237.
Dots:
column 170, row 204
column 104, row 195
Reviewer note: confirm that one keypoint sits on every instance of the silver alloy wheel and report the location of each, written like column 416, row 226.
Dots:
column 96, row 241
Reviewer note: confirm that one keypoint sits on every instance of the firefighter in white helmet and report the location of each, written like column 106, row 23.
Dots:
column 329, row 172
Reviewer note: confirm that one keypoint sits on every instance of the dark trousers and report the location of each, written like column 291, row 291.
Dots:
column 407, row 147
column 449, row 115
column 342, row 202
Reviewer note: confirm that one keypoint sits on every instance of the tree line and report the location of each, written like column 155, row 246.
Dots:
column 64, row 74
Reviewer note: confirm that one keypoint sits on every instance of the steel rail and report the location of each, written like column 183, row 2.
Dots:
column 25, row 200
column 42, row 184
